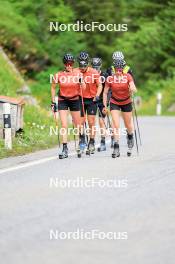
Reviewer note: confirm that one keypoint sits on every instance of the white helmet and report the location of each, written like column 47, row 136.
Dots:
column 117, row 55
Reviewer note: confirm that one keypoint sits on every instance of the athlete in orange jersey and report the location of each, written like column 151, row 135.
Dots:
column 89, row 94
column 68, row 98
column 122, row 87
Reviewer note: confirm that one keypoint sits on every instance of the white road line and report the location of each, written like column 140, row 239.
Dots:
column 31, row 163
column 36, row 162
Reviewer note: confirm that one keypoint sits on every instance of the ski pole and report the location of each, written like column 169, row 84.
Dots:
column 84, row 115
column 137, row 121
column 74, row 135
column 135, row 132
column 109, row 121
column 85, row 129
column 57, row 126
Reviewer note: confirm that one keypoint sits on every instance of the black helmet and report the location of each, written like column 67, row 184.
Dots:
column 119, row 63
column 84, row 56
column 68, row 58
column 96, row 63
column 83, row 64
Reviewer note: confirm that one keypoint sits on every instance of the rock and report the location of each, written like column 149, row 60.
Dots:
column 172, row 108
column 24, row 90
column 30, row 100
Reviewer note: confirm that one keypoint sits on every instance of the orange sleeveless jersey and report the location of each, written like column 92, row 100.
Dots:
column 92, row 79
column 120, row 90
column 68, row 83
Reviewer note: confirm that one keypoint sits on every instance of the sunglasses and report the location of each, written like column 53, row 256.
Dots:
column 83, row 67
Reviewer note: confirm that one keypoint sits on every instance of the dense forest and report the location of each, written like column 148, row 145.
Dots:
column 148, row 44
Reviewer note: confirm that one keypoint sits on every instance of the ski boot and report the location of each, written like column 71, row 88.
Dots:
column 112, row 141
column 91, row 147
column 64, row 153
column 102, row 145
column 82, row 145
column 130, row 143
column 116, row 151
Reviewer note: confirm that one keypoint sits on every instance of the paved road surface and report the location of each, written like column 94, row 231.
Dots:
column 145, row 208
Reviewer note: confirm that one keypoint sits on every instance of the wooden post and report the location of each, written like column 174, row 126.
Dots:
column 7, row 126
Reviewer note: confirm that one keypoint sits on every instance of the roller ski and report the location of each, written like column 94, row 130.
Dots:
column 64, row 153
column 116, row 151
column 102, row 145
column 91, row 147
column 130, row 143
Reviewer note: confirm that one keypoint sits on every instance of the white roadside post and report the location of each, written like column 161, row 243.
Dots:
column 7, row 126
column 159, row 106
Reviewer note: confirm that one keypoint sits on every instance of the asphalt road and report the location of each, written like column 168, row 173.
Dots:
column 141, row 209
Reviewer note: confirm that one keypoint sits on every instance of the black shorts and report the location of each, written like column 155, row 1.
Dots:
column 72, row 105
column 90, row 107
column 123, row 108
column 100, row 109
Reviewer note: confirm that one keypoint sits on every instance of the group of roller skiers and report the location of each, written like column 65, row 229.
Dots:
column 94, row 92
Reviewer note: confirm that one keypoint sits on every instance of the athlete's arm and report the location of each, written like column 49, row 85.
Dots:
column 131, row 73
column 99, row 85
column 54, row 84
column 53, row 91
column 105, row 95
column 132, row 87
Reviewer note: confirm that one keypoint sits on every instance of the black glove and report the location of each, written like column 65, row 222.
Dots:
column 54, row 107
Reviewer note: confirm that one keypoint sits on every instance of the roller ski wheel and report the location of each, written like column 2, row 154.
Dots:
column 114, row 155
column 63, row 155
column 79, row 153
column 116, row 151
column 129, row 152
